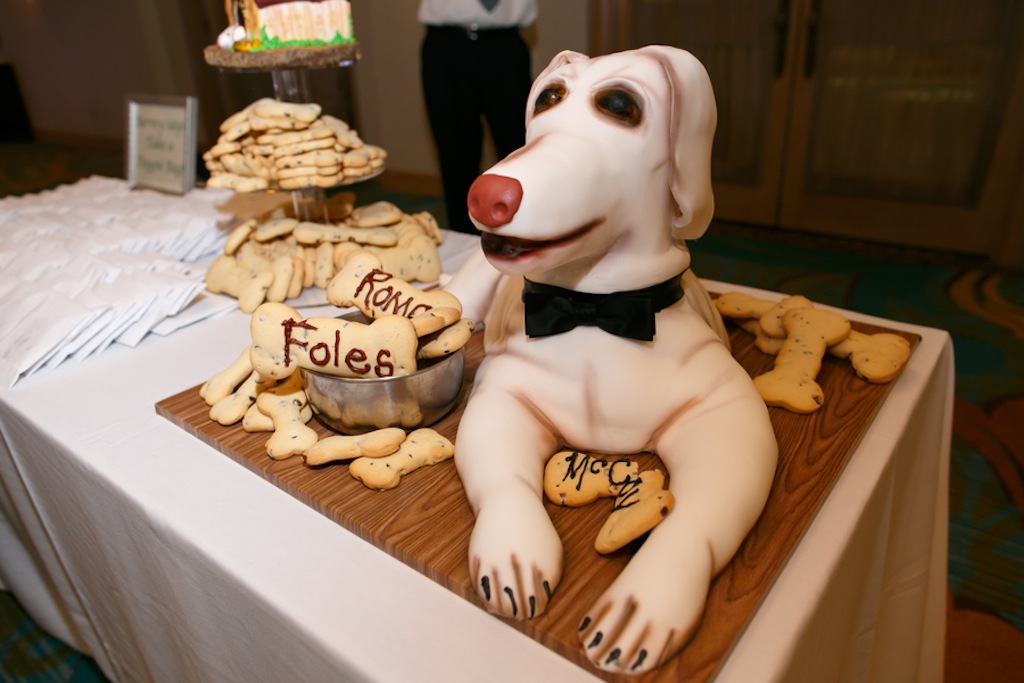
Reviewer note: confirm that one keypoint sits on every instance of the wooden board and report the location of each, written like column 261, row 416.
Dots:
column 426, row 522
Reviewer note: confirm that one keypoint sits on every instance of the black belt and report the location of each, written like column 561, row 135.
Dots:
column 471, row 32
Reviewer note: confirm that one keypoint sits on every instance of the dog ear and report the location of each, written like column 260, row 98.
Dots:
column 692, row 122
column 557, row 62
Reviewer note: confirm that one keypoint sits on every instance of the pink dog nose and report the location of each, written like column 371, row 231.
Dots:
column 494, row 199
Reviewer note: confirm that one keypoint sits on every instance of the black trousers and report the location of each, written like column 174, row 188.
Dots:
column 468, row 79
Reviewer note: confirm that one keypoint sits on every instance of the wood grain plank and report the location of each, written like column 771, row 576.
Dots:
column 426, row 522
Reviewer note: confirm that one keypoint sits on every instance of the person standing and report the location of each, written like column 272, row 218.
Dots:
column 474, row 67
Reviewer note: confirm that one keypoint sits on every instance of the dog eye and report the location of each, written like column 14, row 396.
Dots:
column 619, row 104
column 549, row 97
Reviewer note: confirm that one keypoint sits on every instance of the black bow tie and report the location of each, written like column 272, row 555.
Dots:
column 553, row 310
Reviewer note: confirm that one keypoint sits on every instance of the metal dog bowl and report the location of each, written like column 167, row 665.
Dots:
column 355, row 406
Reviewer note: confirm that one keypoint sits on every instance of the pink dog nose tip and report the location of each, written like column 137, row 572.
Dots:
column 494, row 199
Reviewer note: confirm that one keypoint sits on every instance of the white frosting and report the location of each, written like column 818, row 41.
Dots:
column 682, row 395
column 229, row 36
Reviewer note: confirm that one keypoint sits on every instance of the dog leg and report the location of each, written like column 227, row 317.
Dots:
column 720, row 477
column 515, row 554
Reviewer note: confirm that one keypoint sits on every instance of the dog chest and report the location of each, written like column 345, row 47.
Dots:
column 611, row 393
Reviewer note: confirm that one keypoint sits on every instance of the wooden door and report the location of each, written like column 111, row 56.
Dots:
column 904, row 125
column 890, row 120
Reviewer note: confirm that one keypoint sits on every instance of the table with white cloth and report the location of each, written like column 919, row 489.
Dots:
column 135, row 542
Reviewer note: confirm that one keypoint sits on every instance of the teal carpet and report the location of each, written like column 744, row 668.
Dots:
column 28, row 655
column 983, row 309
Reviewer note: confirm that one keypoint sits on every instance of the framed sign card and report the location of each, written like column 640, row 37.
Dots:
column 161, row 145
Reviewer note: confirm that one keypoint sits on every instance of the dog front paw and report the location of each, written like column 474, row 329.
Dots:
column 515, row 561
column 644, row 618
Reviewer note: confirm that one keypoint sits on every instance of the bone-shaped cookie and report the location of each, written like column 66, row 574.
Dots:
column 227, row 380
column 447, row 341
column 362, row 283
column 422, row 447
column 255, row 421
column 272, row 109
column 375, row 444
column 315, row 233
column 640, row 506
column 232, row 408
column 878, row 358
column 767, row 312
column 282, row 342
column 284, row 404
column 415, row 256
column 375, row 215
column 225, row 275
column 791, row 382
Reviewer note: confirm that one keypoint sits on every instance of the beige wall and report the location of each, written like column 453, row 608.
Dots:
column 76, row 62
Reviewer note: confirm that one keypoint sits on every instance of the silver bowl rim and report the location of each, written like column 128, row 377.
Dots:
column 434, row 365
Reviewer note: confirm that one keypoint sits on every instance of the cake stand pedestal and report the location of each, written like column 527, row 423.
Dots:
column 292, row 85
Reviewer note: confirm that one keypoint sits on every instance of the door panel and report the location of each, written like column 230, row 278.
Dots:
column 896, row 121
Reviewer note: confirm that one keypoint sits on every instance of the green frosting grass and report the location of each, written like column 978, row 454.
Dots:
column 268, row 43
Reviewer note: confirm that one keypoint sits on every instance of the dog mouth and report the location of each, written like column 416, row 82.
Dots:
column 511, row 248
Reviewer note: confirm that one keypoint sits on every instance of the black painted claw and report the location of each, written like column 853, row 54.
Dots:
column 512, row 599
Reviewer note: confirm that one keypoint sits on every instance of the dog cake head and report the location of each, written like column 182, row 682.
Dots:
column 615, row 174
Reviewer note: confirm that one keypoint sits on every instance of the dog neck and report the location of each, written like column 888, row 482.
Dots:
column 622, row 267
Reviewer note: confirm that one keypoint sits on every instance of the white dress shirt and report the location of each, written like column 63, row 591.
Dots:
column 503, row 13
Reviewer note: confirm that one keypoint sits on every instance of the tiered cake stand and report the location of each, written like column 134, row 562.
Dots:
column 289, row 69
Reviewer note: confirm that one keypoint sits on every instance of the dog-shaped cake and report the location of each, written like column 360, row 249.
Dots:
column 613, row 178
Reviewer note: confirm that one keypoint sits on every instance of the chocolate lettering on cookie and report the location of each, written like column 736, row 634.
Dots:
column 614, row 480
column 384, row 368
column 629, row 494
column 321, row 354
column 386, row 299
column 288, row 326
column 318, row 350
column 579, row 465
column 355, row 360
column 582, row 464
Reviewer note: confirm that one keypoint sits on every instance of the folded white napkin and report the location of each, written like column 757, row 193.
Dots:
column 94, row 263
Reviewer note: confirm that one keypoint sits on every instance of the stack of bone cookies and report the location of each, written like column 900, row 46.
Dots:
column 288, row 146
column 276, row 258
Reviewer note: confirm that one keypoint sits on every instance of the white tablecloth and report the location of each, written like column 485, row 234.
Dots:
column 133, row 541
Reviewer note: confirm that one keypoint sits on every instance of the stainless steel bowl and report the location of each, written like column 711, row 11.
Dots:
column 356, row 406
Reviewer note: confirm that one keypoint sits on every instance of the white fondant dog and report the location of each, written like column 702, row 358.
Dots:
column 614, row 176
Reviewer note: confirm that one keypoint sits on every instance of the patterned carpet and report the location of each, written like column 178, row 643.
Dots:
column 982, row 307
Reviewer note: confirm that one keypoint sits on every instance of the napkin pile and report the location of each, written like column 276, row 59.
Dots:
column 97, row 262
